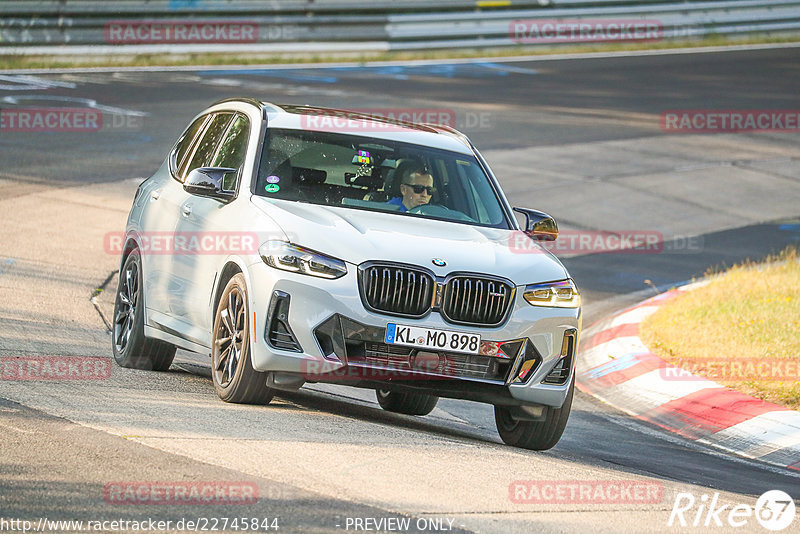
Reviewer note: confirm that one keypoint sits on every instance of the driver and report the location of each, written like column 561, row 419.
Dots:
column 416, row 187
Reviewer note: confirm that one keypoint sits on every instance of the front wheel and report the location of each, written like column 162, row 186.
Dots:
column 534, row 435
column 130, row 346
column 231, row 368
column 407, row 403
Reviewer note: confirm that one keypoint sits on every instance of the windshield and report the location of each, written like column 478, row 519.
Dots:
column 374, row 174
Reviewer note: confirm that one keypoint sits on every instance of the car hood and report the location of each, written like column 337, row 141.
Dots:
column 356, row 236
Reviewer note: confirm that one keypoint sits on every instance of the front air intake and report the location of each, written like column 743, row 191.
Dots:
column 560, row 372
column 278, row 333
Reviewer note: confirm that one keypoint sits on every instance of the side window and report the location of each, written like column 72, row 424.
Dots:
column 208, row 143
column 478, row 187
column 476, row 204
column 232, row 150
column 179, row 153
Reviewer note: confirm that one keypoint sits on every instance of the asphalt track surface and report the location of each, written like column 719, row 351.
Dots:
column 62, row 444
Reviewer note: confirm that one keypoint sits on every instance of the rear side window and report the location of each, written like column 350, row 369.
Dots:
column 179, row 153
column 207, row 145
column 232, row 150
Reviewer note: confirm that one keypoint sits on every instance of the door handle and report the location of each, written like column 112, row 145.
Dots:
column 186, row 210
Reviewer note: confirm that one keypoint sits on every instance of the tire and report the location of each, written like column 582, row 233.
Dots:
column 131, row 347
column 231, row 368
column 407, row 403
column 534, row 435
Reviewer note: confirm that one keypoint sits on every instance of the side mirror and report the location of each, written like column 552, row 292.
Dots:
column 208, row 182
column 539, row 225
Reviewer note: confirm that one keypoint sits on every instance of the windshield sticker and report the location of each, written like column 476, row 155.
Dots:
column 462, row 162
column 362, row 157
column 272, row 188
column 273, row 179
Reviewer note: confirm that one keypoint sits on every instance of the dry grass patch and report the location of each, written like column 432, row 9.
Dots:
column 746, row 316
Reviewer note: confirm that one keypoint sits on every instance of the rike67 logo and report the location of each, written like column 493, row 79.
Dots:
column 774, row 510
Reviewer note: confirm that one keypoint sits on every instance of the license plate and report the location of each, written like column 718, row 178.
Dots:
column 431, row 338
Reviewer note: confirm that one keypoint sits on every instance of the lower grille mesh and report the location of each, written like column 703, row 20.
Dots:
column 451, row 364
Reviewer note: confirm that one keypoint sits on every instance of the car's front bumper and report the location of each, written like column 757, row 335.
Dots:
column 341, row 341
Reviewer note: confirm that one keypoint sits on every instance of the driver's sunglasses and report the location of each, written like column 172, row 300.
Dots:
column 418, row 189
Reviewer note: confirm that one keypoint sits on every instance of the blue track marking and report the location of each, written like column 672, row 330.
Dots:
column 483, row 69
column 176, row 5
column 7, row 261
column 617, row 364
column 504, row 68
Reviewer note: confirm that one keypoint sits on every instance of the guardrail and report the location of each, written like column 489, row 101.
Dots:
column 170, row 7
column 675, row 20
column 156, row 26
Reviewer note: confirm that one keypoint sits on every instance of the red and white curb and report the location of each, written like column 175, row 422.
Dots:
column 618, row 368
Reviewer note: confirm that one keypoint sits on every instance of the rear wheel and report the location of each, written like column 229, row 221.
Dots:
column 131, row 347
column 407, row 403
column 231, row 368
column 535, row 435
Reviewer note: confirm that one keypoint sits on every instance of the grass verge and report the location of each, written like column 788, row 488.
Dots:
column 741, row 330
column 18, row 61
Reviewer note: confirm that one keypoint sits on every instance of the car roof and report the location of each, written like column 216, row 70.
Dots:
column 322, row 119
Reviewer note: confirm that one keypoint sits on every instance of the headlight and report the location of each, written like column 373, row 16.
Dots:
column 287, row 257
column 563, row 294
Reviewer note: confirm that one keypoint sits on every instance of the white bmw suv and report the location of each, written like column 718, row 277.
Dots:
column 295, row 244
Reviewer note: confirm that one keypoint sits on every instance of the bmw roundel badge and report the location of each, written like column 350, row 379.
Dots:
column 439, row 262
